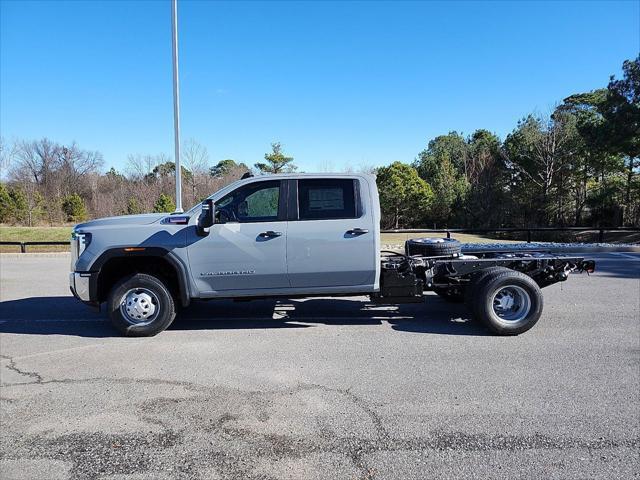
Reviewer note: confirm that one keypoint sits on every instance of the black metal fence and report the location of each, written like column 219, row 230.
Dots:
column 447, row 231
column 23, row 245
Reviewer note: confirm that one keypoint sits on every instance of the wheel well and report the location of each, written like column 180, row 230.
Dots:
column 115, row 269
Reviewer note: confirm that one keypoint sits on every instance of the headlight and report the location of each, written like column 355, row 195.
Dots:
column 81, row 241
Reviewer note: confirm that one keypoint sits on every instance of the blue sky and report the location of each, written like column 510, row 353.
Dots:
column 338, row 83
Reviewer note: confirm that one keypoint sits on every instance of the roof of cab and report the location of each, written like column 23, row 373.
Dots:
column 311, row 175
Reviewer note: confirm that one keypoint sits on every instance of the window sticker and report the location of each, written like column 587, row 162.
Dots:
column 326, row 199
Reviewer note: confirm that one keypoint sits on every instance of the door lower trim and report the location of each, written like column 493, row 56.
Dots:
column 283, row 292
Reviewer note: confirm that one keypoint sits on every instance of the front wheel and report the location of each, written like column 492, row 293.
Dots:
column 141, row 306
column 507, row 302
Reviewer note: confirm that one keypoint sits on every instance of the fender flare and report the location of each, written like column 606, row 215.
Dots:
column 119, row 252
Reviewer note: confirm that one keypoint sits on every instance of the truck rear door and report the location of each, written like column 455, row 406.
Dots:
column 332, row 234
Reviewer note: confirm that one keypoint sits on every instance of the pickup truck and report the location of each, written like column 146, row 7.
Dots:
column 291, row 235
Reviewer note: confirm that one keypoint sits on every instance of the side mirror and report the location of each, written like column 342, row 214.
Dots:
column 206, row 218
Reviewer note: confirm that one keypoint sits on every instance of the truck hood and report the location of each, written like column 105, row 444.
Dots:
column 144, row 219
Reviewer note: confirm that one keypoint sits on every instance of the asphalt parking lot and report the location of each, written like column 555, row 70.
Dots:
column 320, row 388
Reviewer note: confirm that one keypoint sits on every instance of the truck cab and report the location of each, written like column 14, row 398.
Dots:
column 271, row 235
column 288, row 235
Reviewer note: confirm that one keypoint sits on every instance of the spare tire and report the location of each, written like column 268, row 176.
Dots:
column 432, row 247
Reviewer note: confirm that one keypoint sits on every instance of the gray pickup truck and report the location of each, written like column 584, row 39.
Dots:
column 294, row 235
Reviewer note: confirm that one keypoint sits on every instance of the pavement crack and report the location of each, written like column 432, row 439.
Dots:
column 357, row 451
column 13, row 367
column 193, row 387
column 359, row 402
column 218, row 430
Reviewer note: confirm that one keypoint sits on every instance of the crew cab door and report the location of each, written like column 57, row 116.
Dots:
column 332, row 238
column 245, row 250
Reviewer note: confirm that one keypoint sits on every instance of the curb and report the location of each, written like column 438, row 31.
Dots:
column 33, row 254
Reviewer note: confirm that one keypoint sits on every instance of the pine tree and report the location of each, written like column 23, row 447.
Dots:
column 277, row 162
column 74, row 208
column 164, row 204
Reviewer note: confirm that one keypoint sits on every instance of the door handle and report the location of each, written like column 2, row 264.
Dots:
column 270, row 234
column 357, row 231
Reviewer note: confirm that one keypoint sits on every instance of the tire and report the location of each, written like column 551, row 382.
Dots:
column 433, row 247
column 476, row 279
column 453, row 295
column 141, row 306
column 507, row 303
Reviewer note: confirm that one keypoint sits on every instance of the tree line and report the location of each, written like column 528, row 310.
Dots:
column 577, row 166
column 50, row 183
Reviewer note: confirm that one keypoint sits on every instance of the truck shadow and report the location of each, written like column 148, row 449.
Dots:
column 435, row 316
column 66, row 316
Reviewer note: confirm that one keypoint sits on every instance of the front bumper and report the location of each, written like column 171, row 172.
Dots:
column 79, row 283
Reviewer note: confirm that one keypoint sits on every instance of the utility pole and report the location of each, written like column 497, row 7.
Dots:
column 176, row 104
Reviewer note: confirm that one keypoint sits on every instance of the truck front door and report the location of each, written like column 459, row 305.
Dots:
column 246, row 247
column 331, row 240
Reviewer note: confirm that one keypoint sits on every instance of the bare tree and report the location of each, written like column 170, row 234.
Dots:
column 7, row 152
column 325, row 166
column 196, row 160
column 75, row 165
column 139, row 166
column 49, row 171
column 538, row 151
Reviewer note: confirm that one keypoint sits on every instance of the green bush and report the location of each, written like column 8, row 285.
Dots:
column 74, row 208
column 5, row 204
column 164, row 204
column 133, row 206
column 405, row 198
column 17, row 207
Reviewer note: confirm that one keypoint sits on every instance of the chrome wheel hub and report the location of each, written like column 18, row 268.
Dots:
column 139, row 306
column 430, row 240
column 511, row 304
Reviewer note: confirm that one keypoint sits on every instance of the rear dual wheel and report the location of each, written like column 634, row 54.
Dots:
column 464, row 293
column 507, row 302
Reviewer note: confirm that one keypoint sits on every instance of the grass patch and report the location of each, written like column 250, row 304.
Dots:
column 35, row 234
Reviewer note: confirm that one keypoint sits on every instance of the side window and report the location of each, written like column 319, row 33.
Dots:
column 256, row 202
column 324, row 199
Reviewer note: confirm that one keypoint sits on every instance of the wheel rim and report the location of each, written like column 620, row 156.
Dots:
column 139, row 306
column 511, row 304
column 432, row 241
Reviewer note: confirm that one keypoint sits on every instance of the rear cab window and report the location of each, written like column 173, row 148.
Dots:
column 324, row 199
